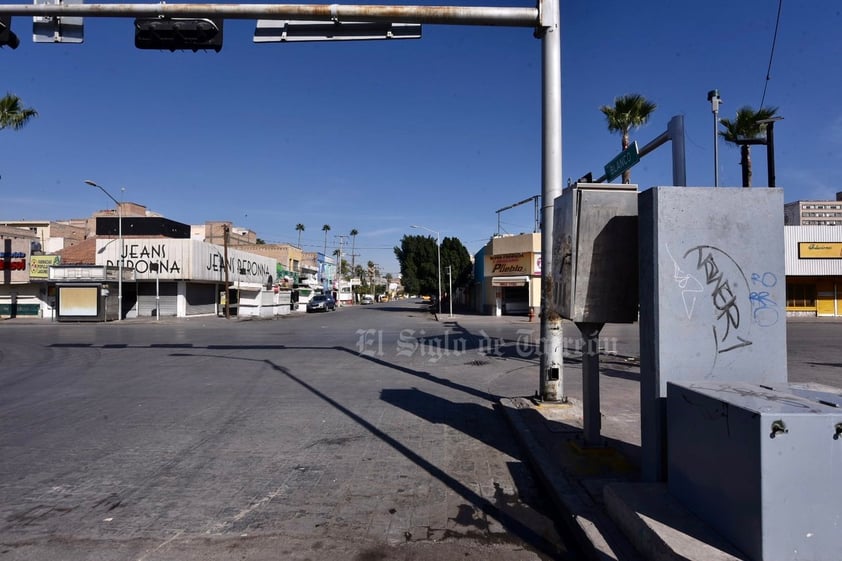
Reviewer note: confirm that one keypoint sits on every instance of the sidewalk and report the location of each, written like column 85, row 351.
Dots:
column 597, row 490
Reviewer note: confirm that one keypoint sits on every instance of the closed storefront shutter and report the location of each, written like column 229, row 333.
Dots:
column 201, row 299
column 146, row 293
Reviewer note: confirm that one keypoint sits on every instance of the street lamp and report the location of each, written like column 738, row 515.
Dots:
column 438, row 256
column 715, row 100
column 120, row 238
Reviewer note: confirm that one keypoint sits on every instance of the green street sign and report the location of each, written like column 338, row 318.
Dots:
column 623, row 161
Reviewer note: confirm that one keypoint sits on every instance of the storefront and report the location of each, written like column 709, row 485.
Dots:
column 183, row 277
column 813, row 271
column 511, row 275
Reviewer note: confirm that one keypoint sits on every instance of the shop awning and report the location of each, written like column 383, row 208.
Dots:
column 509, row 281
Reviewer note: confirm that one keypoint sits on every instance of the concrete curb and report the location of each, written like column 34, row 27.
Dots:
column 661, row 528
column 595, row 533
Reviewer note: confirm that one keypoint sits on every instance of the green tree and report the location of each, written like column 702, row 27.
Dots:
column 13, row 114
column 418, row 259
column 630, row 110
column 746, row 127
column 455, row 255
column 299, row 228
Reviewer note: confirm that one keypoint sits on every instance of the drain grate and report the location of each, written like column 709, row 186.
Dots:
column 478, row 362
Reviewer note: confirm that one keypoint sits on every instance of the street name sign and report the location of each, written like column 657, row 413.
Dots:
column 623, row 161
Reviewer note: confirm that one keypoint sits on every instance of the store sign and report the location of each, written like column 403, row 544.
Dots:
column 176, row 259
column 39, row 265
column 513, row 264
column 14, row 261
column 820, row 250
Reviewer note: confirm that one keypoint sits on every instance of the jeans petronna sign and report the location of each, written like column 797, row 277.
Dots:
column 184, row 260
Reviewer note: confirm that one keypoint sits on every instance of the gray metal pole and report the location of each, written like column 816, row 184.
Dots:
column 120, row 261
column 590, row 383
column 444, row 15
column 679, row 166
column 551, row 381
column 438, row 256
column 450, row 288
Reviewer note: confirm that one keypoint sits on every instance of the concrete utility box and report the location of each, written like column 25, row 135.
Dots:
column 712, row 297
column 595, row 253
column 760, row 466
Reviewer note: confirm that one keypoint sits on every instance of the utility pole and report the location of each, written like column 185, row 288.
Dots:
column 225, row 258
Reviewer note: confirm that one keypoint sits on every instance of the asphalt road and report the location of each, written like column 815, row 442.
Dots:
column 367, row 433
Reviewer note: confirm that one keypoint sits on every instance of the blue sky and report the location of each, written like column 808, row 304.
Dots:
column 380, row 135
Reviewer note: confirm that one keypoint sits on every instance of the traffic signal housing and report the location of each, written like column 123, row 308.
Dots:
column 7, row 37
column 178, row 34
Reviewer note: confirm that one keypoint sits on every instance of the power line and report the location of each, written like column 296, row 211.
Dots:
column 772, row 54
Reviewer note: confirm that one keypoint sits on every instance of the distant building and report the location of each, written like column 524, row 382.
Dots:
column 814, row 213
column 813, row 270
column 508, row 275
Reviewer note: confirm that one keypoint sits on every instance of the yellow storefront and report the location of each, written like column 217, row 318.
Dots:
column 814, row 271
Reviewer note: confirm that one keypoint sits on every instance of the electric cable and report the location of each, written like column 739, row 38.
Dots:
column 771, row 54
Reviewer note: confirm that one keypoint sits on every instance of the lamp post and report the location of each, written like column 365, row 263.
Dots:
column 438, row 257
column 120, row 238
column 715, row 100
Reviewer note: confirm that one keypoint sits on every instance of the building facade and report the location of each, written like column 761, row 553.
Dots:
column 814, row 213
column 813, row 270
column 508, row 275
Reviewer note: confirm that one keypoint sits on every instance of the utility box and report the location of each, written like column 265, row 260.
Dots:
column 712, row 296
column 595, row 253
column 760, row 466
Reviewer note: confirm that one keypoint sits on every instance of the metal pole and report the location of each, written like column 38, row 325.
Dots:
column 551, row 379
column 438, row 256
column 158, row 292
column 715, row 100
column 120, row 242
column 120, row 262
column 590, row 382
column 450, row 288
column 444, row 15
column 679, row 166
column 225, row 258
column 770, row 152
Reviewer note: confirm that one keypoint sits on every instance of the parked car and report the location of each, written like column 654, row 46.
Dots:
column 321, row 303
column 367, row 299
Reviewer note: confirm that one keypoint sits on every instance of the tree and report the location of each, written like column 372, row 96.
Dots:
column 630, row 110
column 746, row 127
column 326, row 229
column 12, row 113
column 354, row 234
column 299, row 228
column 419, row 264
column 456, row 256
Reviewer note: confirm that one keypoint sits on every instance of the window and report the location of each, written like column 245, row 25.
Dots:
column 800, row 295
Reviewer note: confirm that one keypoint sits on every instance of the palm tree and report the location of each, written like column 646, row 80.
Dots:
column 746, row 127
column 12, row 114
column 326, row 229
column 299, row 228
column 354, row 234
column 630, row 110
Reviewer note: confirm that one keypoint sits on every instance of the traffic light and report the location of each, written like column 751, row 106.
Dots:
column 178, row 34
column 7, row 37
